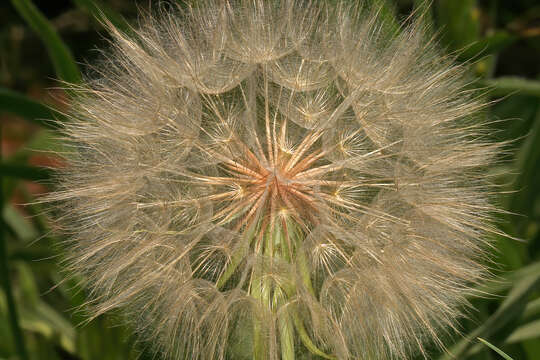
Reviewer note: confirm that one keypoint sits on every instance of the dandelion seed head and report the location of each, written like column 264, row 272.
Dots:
column 254, row 179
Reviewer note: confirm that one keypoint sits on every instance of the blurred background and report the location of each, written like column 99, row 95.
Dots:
column 45, row 42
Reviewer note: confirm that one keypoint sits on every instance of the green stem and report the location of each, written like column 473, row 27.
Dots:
column 306, row 340
column 286, row 328
column 286, row 334
column 300, row 257
column 6, row 284
column 237, row 256
column 258, row 342
column 301, row 261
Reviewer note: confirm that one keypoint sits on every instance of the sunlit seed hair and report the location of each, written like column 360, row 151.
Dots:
column 257, row 179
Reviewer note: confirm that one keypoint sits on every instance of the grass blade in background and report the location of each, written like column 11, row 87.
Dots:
column 15, row 327
column 460, row 21
column 60, row 55
column 527, row 164
column 25, row 172
column 5, row 280
column 21, row 105
column 511, row 309
column 528, row 331
column 492, row 43
column 525, row 332
column 102, row 12
column 496, row 349
column 513, row 85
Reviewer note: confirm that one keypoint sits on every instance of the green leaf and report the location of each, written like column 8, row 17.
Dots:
column 511, row 309
column 21, row 105
column 507, row 85
column 519, row 113
column 461, row 22
column 525, row 332
column 532, row 309
column 102, row 13
column 528, row 162
column 496, row 349
column 38, row 316
column 44, row 142
column 60, row 55
column 21, row 226
column 505, row 282
column 101, row 339
column 488, row 45
column 6, row 285
column 25, row 172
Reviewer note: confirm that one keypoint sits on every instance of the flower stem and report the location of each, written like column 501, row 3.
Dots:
column 286, row 328
column 301, row 261
column 286, row 333
column 306, row 340
column 255, row 291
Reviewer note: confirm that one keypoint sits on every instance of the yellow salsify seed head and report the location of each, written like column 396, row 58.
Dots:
column 259, row 179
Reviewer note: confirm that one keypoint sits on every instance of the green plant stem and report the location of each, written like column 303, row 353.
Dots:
column 258, row 344
column 286, row 329
column 286, row 332
column 6, row 284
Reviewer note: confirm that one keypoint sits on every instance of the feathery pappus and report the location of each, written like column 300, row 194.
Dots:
column 254, row 179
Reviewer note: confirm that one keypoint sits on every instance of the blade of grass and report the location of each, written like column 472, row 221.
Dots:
column 528, row 331
column 505, row 281
column 496, row 349
column 25, row 172
column 527, row 161
column 525, row 332
column 23, row 229
column 21, row 105
column 532, row 310
column 60, row 55
column 506, row 85
column 511, row 308
column 488, row 45
column 5, row 280
column 460, row 21
column 102, row 12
